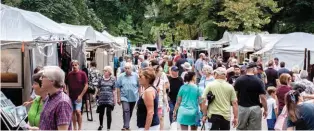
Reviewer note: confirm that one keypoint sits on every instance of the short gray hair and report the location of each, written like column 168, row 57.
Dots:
column 304, row 74
column 207, row 69
column 56, row 74
column 108, row 68
column 128, row 64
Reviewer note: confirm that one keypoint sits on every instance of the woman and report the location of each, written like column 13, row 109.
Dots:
column 33, row 94
column 162, row 84
column 147, row 105
column 106, row 96
column 208, row 77
column 261, row 74
column 166, row 64
column 188, row 100
column 285, row 80
column 296, row 73
column 186, row 67
column 38, row 102
column 300, row 113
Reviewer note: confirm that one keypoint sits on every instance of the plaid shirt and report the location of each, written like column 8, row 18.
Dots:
column 57, row 111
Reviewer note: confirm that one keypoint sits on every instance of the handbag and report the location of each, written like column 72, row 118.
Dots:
column 174, row 126
column 281, row 123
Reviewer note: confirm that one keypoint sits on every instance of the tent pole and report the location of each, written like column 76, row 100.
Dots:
column 309, row 63
column 305, row 63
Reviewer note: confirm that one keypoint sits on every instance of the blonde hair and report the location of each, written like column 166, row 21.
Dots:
column 295, row 69
column 109, row 69
column 284, row 78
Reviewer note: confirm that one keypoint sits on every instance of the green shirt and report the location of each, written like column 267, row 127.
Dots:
column 224, row 95
column 34, row 112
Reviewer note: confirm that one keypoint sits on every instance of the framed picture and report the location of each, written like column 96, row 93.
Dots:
column 11, row 68
column 87, row 54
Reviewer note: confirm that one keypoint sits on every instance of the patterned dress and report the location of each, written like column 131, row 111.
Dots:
column 93, row 76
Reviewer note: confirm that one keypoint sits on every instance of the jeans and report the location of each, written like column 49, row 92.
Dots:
column 219, row 123
column 127, row 113
column 171, row 106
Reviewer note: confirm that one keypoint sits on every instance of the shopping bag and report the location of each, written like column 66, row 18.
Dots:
column 281, row 123
column 174, row 126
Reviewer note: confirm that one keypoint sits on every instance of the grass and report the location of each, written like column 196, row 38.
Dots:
column 9, row 78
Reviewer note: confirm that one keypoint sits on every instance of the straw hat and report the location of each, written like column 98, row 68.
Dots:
column 186, row 66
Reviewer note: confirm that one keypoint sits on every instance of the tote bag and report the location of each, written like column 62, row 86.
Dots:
column 281, row 123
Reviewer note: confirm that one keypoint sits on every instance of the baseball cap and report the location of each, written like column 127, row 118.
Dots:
column 251, row 65
column 221, row 71
column 174, row 68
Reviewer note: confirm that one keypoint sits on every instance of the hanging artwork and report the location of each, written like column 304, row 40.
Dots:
column 11, row 68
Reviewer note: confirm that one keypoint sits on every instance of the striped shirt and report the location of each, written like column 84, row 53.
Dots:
column 57, row 111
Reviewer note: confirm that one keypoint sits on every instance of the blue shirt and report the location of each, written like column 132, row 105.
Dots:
column 306, row 117
column 191, row 61
column 198, row 67
column 128, row 87
column 204, row 82
column 283, row 70
column 116, row 62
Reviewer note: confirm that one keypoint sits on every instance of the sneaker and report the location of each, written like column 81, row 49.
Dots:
column 100, row 128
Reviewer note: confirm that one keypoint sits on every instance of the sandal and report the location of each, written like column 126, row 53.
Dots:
column 125, row 129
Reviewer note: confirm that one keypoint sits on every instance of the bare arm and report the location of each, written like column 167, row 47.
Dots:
column 166, row 86
column 204, row 107
column 118, row 95
column 148, row 98
column 84, row 90
column 63, row 127
column 264, row 103
column 309, row 96
column 177, row 106
column 290, row 129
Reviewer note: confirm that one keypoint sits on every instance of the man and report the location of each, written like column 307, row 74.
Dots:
column 276, row 65
column 251, row 91
column 57, row 110
column 175, row 83
column 272, row 75
column 181, row 61
column 283, row 69
column 237, row 73
column 127, row 93
column 77, row 85
column 219, row 110
column 116, row 64
column 199, row 66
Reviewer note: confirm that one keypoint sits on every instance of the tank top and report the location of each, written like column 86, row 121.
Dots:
column 142, row 112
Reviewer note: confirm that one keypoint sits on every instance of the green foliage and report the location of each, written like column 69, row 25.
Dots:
column 247, row 15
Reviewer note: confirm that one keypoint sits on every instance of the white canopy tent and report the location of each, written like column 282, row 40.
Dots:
column 290, row 49
column 22, row 25
column 84, row 32
column 261, row 40
column 241, row 43
column 196, row 44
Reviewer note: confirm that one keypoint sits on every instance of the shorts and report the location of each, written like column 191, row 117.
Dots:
column 77, row 106
column 161, row 111
column 271, row 124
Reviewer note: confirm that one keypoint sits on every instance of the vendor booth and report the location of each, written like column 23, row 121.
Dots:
column 28, row 39
column 290, row 49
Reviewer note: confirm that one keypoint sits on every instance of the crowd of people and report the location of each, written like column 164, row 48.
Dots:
column 202, row 92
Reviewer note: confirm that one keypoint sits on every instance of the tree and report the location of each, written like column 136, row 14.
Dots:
column 247, row 15
column 6, row 62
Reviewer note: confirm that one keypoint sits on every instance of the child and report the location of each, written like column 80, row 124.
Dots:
column 272, row 108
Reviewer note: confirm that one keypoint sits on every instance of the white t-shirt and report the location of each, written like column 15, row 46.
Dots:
column 271, row 106
column 159, row 83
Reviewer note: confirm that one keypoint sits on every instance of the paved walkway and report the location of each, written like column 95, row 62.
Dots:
column 117, row 120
